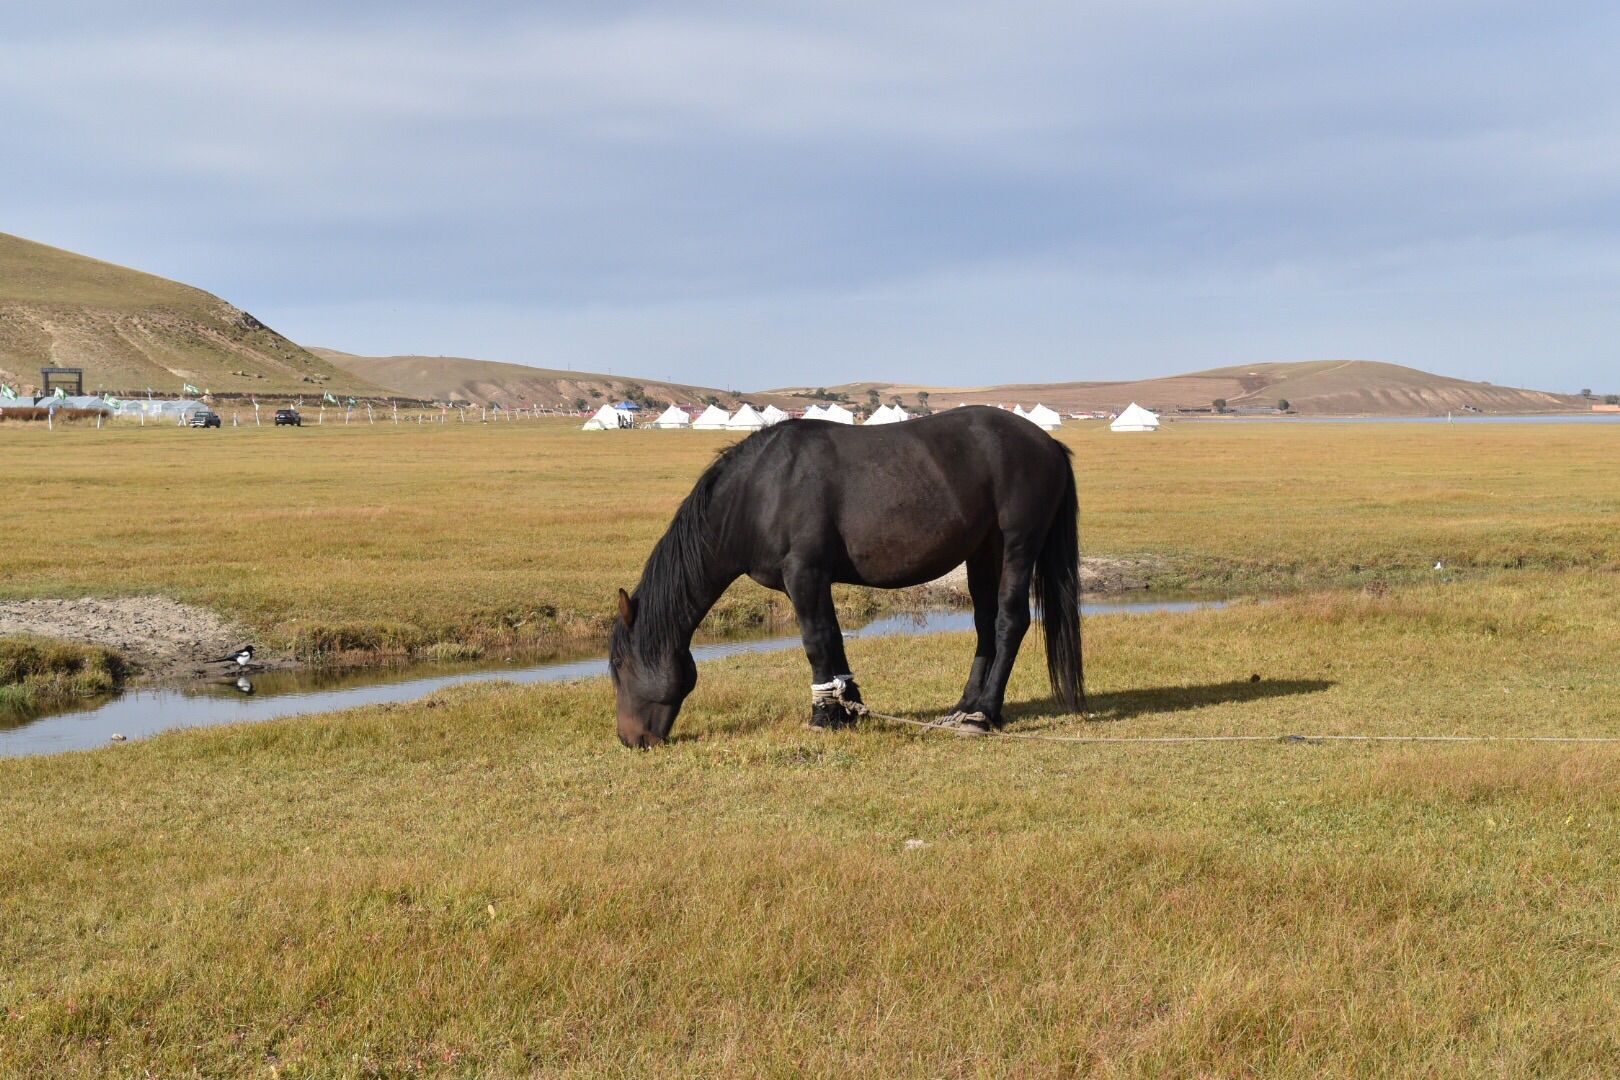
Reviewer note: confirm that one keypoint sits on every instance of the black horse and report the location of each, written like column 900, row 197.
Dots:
column 807, row 503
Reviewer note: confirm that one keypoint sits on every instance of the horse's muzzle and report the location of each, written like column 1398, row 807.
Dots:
column 639, row 738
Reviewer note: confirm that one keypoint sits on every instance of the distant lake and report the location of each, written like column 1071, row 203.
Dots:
column 1460, row 418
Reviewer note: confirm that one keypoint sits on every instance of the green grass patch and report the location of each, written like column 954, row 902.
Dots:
column 37, row 672
column 450, row 650
column 319, row 641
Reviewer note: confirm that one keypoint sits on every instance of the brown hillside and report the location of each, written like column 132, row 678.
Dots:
column 455, row 378
column 131, row 330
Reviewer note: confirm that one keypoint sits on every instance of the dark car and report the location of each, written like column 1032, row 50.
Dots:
column 288, row 417
column 205, row 418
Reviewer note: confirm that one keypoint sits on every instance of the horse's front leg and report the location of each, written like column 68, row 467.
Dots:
column 832, row 686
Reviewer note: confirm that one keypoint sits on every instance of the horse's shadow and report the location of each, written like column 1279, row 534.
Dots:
column 1102, row 708
column 1127, row 704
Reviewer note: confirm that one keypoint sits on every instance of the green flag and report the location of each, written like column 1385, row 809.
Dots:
column 353, row 403
column 7, row 392
column 60, row 392
column 327, row 396
column 188, row 388
column 110, row 400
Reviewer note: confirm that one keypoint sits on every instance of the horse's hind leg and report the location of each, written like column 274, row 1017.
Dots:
column 1012, row 621
column 984, row 580
column 811, row 593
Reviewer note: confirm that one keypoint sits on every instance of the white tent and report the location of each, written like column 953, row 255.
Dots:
column 608, row 418
column 773, row 415
column 167, row 409
column 673, row 417
column 838, row 414
column 745, row 419
column 1018, row 410
column 83, row 401
column 1135, row 418
column 712, row 419
column 882, row 416
column 1044, row 418
column 815, row 412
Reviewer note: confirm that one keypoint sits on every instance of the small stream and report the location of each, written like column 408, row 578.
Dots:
column 275, row 695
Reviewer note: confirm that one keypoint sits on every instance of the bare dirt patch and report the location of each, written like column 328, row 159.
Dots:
column 161, row 637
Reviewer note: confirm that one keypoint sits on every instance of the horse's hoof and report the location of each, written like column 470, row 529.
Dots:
column 830, row 716
column 972, row 725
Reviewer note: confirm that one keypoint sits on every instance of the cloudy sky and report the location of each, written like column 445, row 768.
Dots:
column 778, row 193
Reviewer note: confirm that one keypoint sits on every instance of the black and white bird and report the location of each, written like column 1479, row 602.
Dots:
column 241, row 657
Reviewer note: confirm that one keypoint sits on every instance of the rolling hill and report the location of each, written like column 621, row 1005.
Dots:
column 1317, row 387
column 482, row 382
column 131, row 330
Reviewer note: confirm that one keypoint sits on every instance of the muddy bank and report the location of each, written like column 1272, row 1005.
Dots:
column 1098, row 575
column 162, row 638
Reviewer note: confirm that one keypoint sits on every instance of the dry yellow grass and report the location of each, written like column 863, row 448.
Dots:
column 399, row 536
column 485, row 884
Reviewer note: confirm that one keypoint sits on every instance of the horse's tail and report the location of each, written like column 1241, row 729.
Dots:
column 1057, row 594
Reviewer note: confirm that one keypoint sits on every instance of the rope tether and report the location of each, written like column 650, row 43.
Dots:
column 951, row 726
column 834, row 691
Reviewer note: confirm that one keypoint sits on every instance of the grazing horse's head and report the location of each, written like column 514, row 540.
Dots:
column 650, row 688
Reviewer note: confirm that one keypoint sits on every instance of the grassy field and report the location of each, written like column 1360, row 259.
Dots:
column 394, row 537
column 485, row 884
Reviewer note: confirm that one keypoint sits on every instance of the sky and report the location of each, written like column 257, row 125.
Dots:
column 771, row 194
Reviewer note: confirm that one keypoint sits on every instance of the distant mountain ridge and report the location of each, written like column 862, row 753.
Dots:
column 1312, row 387
column 131, row 330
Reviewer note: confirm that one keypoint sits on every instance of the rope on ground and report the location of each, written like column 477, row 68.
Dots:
column 1023, row 736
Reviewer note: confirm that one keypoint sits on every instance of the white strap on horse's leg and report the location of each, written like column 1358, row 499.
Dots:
column 836, row 684
column 833, row 690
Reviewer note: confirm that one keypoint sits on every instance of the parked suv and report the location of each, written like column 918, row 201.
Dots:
column 205, row 418
column 289, row 417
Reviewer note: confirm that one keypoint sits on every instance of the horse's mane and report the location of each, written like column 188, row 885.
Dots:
column 671, row 594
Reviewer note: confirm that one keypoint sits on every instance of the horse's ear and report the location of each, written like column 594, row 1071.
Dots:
column 627, row 608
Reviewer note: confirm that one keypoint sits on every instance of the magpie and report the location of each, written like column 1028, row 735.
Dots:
column 242, row 657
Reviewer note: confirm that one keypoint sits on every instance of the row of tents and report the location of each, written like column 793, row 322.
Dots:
column 157, row 408
column 747, row 418
column 714, row 418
